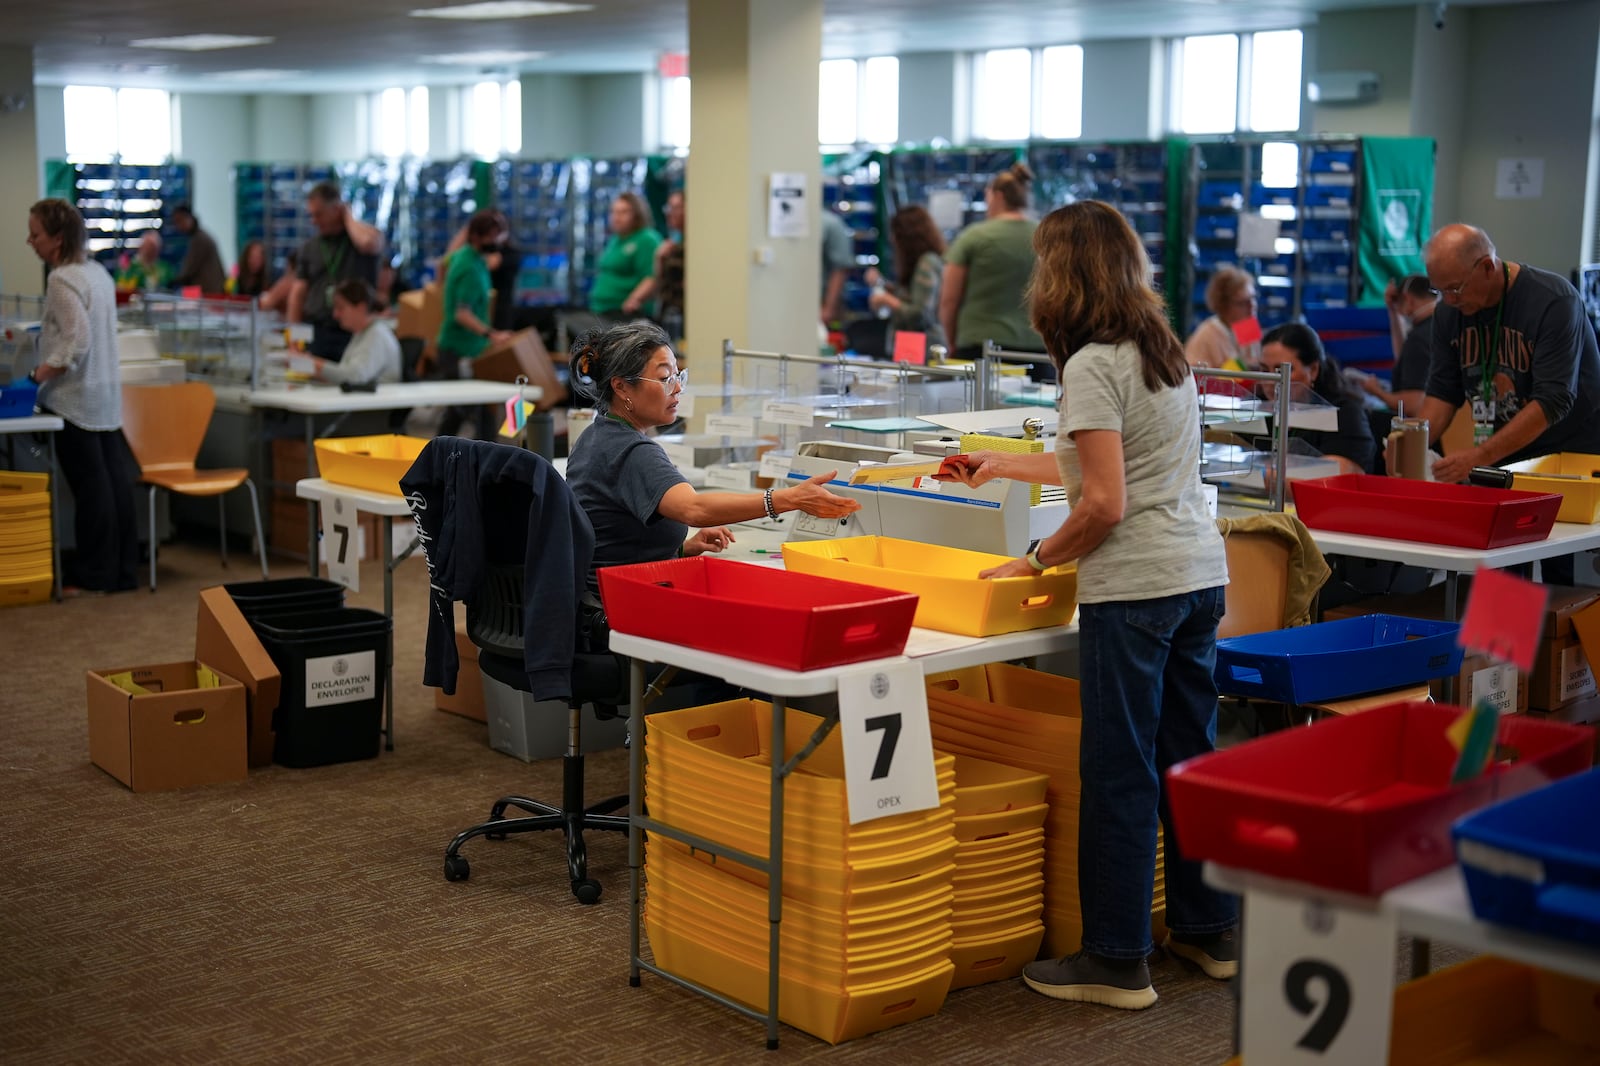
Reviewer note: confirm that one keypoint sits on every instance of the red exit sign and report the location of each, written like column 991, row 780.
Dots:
column 673, row 65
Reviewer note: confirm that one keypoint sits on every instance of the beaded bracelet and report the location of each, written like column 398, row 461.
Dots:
column 766, row 501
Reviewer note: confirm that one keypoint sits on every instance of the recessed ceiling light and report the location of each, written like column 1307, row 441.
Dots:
column 499, row 9
column 485, row 59
column 200, row 42
column 255, row 74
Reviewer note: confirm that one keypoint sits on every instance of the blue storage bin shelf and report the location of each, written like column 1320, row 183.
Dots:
column 1533, row 862
column 1333, row 660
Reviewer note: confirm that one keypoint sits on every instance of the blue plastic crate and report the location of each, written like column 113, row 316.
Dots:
column 1333, row 660
column 1327, row 229
column 1332, row 161
column 1214, row 227
column 1534, row 862
column 17, row 399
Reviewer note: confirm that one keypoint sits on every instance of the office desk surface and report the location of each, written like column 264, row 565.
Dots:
column 328, row 399
column 31, row 424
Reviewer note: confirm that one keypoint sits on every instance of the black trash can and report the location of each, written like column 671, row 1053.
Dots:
column 285, row 595
column 334, row 664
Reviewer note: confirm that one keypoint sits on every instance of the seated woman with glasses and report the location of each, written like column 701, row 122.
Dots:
column 640, row 505
column 1231, row 295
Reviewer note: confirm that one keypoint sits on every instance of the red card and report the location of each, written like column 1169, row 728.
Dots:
column 1504, row 617
column 1247, row 330
column 910, row 347
column 190, row 292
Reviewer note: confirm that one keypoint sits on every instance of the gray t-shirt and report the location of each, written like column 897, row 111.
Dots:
column 1167, row 542
column 1546, row 355
column 838, row 247
column 618, row 476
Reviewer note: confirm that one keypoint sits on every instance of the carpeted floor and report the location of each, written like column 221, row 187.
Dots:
column 303, row 915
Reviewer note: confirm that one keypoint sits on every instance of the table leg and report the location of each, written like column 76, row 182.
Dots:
column 1421, row 952
column 635, row 810
column 312, row 517
column 1452, row 682
column 55, row 519
column 388, row 612
column 775, row 874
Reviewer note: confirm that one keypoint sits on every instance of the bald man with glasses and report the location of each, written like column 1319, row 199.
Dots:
column 1513, row 342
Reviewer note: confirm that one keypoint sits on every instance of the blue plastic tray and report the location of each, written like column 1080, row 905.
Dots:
column 17, row 399
column 1534, row 862
column 1333, row 660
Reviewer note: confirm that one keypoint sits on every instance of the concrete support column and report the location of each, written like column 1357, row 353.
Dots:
column 20, row 270
column 753, row 112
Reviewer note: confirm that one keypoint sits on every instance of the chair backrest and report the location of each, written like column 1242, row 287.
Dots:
column 494, row 624
column 166, row 424
column 1255, row 603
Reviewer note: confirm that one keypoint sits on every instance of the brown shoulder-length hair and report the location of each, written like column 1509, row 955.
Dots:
column 914, row 235
column 60, row 218
column 1091, row 285
column 642, row 217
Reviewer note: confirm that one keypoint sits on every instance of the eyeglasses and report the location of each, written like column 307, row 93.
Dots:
column 666, row 383
column 1451, row 292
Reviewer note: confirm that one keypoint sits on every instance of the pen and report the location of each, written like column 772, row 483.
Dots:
column 767, row 551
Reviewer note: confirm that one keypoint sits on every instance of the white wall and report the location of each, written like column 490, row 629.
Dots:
column 1123, row 83
column 552, row 116
column 213, row 133
column 1530, row 92
column 280, row 128
column 929, row 103
column 1440, row 60
column 614, row 114
column 50, row 126
column 1379, row 41
column 339, row 129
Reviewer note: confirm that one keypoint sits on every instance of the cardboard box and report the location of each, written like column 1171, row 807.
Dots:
column 223, row 637
column 1561, row 674
column 167, row 726
column 1585, row 711
column 1480, row 678
column 468, row 698
column 524, row 354
column 420, row 313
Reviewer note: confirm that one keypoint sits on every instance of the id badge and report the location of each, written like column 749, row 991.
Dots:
column 1483, row 412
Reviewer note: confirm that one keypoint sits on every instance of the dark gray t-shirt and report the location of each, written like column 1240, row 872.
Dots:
column 619, row 476
column 1416, row 352
column 1546, row 355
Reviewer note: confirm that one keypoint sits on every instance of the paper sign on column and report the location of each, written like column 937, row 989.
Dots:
column 341, row 541
column 730, row 426
column 888, row 744
column 788, row 414
column 1321, row 982
column 786, row 205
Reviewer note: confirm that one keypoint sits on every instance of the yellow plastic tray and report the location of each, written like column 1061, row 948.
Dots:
column 18, row 483
column 984, row 787
column 24, row 533
column 981, row 960
column 372, row 463
column 34, row 588
column 1579, row 488
column 952, row 597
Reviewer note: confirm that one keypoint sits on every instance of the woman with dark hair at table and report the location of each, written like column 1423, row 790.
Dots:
column 1351, row 444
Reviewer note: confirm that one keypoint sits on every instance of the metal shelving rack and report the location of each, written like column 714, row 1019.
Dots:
column 270, row 205
column 535, row 197
column 852, row 188
column 119, row 201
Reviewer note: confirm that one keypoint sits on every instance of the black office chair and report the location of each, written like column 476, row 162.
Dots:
column 494, row 624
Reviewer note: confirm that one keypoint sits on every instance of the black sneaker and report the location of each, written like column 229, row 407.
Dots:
column 1086, row 978
column 1215, row 953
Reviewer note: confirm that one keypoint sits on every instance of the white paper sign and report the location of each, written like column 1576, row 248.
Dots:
column 1321, row 982
column 948, row 208
column 888, row 745
column 775, row 464
column 1258, row 236
column 788, row 414
column 730, row 426
column 1519, row 179
column 682, row 455
column 1496, row 684
column 335, row 679
column 786, row 205
column 727, row 477
column 1576, row 678
column 341, row 541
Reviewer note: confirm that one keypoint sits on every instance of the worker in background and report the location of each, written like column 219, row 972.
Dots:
column 373, row 354
column 1411, row 302
column 465, row 331
column 838, row 259
column 1215, row 343
column 670, row 267
column 986, row 271
column 146, row 272
column 202, row 263
column 344, row 248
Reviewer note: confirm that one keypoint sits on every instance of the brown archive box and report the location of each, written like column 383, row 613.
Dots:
column 223, row 637
column 522, row 355
column 420, row 313
column 171, row 725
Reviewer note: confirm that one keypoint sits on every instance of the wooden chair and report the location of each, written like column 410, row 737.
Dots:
column 165, row 425
column 1255, row 604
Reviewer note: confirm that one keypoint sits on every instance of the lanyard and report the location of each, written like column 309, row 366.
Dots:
column 333, row 262
column 1492, row 362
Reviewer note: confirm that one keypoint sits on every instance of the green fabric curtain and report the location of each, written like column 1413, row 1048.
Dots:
column 1396, row 211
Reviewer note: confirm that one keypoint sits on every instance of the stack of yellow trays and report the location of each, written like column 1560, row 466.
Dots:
column 1031, row 721
column 27, row 572
column 865, row 938
column 999, row 877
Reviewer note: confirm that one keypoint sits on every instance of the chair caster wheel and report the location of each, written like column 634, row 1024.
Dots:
column 586, row 891
column 456, row 868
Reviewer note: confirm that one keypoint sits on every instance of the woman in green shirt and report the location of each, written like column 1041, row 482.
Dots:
column 465, row 331
column 986, row 272
column 624, row 275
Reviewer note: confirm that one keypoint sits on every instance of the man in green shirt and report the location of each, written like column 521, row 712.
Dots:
column 465, row 331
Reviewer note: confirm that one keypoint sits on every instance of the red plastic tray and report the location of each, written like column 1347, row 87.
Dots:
column 792, row 621
column 1464, row 516
column 1359, row 804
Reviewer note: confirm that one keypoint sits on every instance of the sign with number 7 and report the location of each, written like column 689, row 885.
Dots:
column 888, row 744
column 341, row 541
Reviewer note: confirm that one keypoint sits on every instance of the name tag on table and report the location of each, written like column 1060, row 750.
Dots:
column 888, row 744
column 788, row 414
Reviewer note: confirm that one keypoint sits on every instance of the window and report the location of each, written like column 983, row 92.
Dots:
column 417, row 132
column 1227, row 82
column 134, row 125
column 858, row 100
column 675, row 112
column 400, row 122
column 493, row 118
column 1020, row 93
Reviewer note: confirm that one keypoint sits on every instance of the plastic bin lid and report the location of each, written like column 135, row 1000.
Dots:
column 318, row 624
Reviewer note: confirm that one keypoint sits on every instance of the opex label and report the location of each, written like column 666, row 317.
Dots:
column 335, row 679
column 888, row 744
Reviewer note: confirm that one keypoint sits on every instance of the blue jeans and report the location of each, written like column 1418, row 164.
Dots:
column 1149, row 701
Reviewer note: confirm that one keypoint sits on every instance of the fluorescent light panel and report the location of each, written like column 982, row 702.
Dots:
column 499, row 9
column 254, row 74
column 491, row 58
column 200, row 42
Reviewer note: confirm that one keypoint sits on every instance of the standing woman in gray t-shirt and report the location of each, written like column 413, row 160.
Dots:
column 80, row 380
column 1151, row 571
